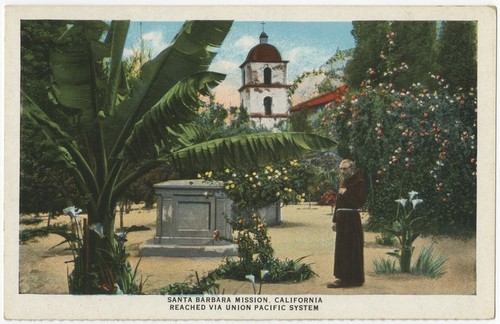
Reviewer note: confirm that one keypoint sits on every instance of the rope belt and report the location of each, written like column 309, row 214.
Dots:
column 349, row 209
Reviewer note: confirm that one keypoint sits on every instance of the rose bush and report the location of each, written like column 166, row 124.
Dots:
column 420, row 137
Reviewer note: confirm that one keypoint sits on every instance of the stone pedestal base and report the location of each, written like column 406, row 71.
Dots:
column 150, row 248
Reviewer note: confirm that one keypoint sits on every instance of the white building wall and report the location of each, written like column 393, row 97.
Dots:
column 255, row 101
column 254, row 73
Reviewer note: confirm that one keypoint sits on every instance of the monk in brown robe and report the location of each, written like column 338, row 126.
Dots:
column 349, row 264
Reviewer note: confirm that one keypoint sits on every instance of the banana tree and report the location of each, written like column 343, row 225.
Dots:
column 100, row 129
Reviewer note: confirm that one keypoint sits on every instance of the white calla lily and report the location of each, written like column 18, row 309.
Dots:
column 415, row 202
column 251, row 278
column 72, row 212
column 412, row 194
column 98, row 228
column 401, row 201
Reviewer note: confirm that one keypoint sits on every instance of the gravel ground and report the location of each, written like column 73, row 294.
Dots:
column 306, row 231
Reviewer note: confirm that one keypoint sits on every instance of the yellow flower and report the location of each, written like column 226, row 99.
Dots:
column 259, row 183
column 254, row 174
column 227, row 170
column 254, row 186
column 199, row 176
column 285, row 178
column 230, row 181
column 233, row 185
column 227, row 187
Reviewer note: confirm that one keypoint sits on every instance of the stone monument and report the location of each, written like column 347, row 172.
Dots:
column 188, row 214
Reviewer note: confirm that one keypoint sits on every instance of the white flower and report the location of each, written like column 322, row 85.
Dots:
column 72, row 212
column 98, row 228
column 401, row 201
column 415, row 202
column 412, row 194
column 251, row 278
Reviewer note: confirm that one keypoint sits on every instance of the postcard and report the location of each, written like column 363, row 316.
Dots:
column 249, row 162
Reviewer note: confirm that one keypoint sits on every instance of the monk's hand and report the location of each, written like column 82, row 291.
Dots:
column 342, row 191
column 333, row 227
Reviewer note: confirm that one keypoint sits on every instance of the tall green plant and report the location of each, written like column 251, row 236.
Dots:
column 100, row 130
column 457, row 56
column 407, row 227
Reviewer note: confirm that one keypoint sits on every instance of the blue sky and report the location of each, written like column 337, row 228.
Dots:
column 306, row 45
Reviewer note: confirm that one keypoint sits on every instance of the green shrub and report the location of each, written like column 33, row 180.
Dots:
column 386, row 239
column 421, row 136
column 205, row 285
column 277, row 270
column 429, row 264
column 385, row 266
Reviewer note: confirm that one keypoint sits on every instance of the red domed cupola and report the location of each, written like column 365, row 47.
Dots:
column 263, row 52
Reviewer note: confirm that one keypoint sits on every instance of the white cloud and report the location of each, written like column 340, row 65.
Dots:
column 225, row 66
column 299, row 53
column 245, row 43
column 152, row 35
column 154, row 41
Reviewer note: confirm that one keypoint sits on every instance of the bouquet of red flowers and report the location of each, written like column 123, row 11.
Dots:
column 328, row 198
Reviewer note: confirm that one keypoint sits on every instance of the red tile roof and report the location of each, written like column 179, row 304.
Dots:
column 333, row 96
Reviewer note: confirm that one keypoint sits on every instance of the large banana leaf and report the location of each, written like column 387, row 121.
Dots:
column 66, row 147
column 251, row 150
column 190, row 134
column 116, row 40
column 79, row 77
column 188, row 54
column 178, row 106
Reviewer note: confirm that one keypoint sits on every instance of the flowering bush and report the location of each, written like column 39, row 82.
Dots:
column 252, row 240
column 256, row 255
column 328, row 198
column 421, row 137
column 251, row 190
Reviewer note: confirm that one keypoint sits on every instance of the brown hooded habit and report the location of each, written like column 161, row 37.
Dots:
column 348, row 264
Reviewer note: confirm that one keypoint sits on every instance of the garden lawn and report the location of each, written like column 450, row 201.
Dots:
column 306, row 231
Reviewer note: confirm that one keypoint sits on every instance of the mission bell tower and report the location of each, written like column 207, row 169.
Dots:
column 264, row 92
